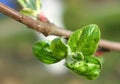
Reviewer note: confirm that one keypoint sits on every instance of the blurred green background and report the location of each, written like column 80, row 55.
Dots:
column 19, row 66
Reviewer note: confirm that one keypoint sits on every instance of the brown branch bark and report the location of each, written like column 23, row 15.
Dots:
column 110, row 45
column 48, row 28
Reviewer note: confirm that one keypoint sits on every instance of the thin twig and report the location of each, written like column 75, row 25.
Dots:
column 110, row 45
column 48, row 28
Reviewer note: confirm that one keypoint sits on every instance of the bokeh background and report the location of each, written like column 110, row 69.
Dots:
column 19, row 66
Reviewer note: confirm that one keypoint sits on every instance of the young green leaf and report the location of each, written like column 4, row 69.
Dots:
column 73, row 39
column 85, row 39
column 38, row 5
column 78, row 56
column 93, row 59
column 59, row 48
column 22, row 3
column 30, row 7
column 27, row 12
column 89, row 39
column 89, row 67
column 42, row 52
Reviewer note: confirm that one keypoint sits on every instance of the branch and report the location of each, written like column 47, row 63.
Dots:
column 112, row 46
column 48, row 28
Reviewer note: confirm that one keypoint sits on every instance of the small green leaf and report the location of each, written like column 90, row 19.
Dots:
column 85, row 39
column 59, row 48
column 78, row 56
column 89, row 67
column 30, row 4
column 27, row 11
column 30, row 7
column 89, row 39
column 22, row 2
column 42, row 52
column 73, row 39
column 93, row 59
column 38, row 5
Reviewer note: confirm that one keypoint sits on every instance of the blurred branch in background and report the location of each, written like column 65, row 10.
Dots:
column 49, row 28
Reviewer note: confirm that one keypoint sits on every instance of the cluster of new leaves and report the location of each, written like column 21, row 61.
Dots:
column 78, row 52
